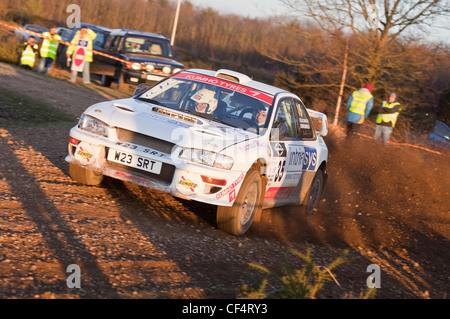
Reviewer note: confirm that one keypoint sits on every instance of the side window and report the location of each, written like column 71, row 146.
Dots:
column 306, row 126
column 287, row 119
column 109, row 42
column 116, row 43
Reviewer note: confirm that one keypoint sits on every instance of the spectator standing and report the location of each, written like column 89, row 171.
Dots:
column 48, row 51
column 84, row 37
column 359, row 105
column 387, row 117
column 29, row 50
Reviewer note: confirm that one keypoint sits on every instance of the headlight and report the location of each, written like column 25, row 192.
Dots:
column 93, row 125
column 150, row 67
column 136, row 66
column 207, row 158
column 176, row 70
column 167, row 69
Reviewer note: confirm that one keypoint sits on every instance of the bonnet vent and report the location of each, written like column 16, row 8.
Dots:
column 124, row 107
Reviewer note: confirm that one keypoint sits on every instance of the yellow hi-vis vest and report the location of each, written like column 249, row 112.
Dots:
column 359, row 102
column 388, row 117
column 49, row 48
column 89, row 37
column 28, row 56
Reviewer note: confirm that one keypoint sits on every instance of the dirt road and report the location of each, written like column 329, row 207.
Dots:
column 389, row 208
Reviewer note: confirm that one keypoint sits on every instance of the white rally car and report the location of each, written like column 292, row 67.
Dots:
column 216, row 137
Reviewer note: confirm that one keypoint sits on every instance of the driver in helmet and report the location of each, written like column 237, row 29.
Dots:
column 205, row 101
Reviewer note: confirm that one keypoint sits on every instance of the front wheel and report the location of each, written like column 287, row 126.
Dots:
column 121, row 85
column 84, row 175
column 237, row 219
column 312, row 198
column 106, row 80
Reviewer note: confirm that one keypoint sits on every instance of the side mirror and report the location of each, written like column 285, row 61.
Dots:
column 323, row 120
column 139, row 89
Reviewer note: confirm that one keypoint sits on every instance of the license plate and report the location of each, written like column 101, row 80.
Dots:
column 151, row 77
column 135, row 161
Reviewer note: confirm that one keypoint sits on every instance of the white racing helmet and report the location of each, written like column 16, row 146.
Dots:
column 206, row 96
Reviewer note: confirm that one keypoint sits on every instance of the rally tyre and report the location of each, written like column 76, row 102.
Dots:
column 105, row 80
column 121, row 85
column 84, row 175
column 236, row 220
column 312, row 198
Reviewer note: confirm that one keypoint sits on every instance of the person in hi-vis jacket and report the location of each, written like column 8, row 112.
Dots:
column 84, row 37
column 359, row 105
column 388, row 113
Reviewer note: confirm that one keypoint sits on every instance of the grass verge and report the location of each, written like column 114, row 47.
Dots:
column 20, row 110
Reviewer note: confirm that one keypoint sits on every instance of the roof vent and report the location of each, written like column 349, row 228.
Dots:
column 232, row 76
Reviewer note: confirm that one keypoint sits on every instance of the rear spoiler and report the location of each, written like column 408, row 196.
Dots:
column 322, row 118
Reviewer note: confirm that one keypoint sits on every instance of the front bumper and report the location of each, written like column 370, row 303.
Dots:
column 135, row 76
column 178, row 177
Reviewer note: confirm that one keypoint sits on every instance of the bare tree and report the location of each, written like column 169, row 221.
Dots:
column 372, row 22
column 379, row 20
column 382, row 37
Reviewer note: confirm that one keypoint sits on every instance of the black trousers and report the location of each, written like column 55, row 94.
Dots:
column 351, row 128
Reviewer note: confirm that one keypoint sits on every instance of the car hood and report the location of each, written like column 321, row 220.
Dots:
column 182, row 129
column 153, row 59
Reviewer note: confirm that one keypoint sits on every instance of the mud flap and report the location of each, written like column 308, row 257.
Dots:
column 258, row 213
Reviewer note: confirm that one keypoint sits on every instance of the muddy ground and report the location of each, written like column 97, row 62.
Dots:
column 386, row 207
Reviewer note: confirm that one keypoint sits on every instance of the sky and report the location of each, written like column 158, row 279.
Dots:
column 265, row 8
column 246, row 8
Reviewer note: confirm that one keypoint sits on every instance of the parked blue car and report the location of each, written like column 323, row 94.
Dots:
column 23, row 36
column 441, row 135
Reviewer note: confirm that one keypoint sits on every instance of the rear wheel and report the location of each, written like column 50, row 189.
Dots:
column 312, row 198
column 84, row 175
column 237, row 219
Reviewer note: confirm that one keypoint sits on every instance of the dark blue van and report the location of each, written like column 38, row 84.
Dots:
column 144, row 58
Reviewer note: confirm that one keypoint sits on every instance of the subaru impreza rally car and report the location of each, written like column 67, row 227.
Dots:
column 217, row 137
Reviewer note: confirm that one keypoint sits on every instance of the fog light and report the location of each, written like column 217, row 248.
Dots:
column 214, row 181
column 73, row 140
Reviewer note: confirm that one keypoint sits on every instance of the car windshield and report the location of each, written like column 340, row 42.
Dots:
column 146, row 45
column 213, row 99
column 36, row 28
